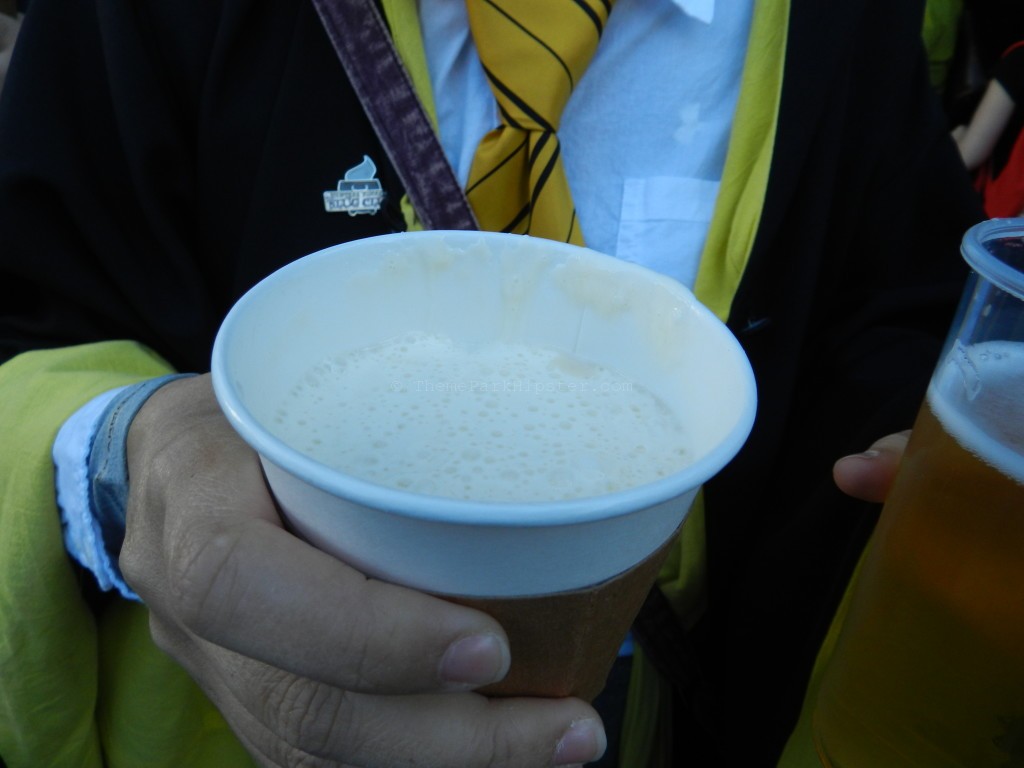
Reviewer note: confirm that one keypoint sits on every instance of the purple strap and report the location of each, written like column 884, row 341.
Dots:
column 364, row 47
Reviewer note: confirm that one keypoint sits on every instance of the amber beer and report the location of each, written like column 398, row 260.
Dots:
column 929, row 667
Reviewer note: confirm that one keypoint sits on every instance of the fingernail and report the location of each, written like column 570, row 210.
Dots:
column 584, row 742
column 475, row 660
column 869, row 454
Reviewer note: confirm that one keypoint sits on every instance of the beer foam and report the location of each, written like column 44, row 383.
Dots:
column 976, row 397
column 498, row 422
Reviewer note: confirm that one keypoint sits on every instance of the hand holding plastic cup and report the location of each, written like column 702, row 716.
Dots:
column 357, row 372
column 928, row 669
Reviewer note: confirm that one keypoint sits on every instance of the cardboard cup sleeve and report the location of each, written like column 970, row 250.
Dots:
column 565, row 644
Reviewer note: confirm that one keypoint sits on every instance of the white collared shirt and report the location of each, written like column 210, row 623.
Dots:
column 643, row 137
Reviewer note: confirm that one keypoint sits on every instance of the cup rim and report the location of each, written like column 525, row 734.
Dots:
column 460, row 511
column 986, row 263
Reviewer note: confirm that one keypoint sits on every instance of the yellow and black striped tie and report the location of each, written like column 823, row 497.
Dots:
column 534, row 53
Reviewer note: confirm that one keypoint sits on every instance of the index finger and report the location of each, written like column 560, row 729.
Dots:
column 258, row 590
column 205, row 548
column 869, row 475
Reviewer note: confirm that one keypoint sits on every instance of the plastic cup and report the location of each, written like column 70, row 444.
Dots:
column 565, row 577
column 928, row 669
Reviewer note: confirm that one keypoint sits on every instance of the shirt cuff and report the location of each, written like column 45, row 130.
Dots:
column 82, row 536
column 89, row 454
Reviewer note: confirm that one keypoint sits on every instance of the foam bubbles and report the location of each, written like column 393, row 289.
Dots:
column 501, row 422
column 984, row 411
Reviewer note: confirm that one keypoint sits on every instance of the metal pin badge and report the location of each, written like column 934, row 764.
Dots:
column 358, row 193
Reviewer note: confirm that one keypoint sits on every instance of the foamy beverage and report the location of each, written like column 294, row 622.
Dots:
column 478, row 414
column 929, row 669
column 496, row 422
column 507, row 422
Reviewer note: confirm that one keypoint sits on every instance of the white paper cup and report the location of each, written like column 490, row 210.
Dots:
column 475, row 287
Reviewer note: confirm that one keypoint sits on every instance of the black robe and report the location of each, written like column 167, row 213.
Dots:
column 157, row 158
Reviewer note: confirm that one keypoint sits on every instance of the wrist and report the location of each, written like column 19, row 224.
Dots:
column 91, row 479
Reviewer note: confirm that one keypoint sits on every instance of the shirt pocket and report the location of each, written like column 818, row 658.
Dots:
column 664, row 223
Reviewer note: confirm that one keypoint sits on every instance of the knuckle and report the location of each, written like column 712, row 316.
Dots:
column 364, row 671
column 206, row 579
column 135, row 558
column 505, row 746
column 162, row 638
column 385, row 650
column 516, row 737
column 131, row 567
column 311, row 719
